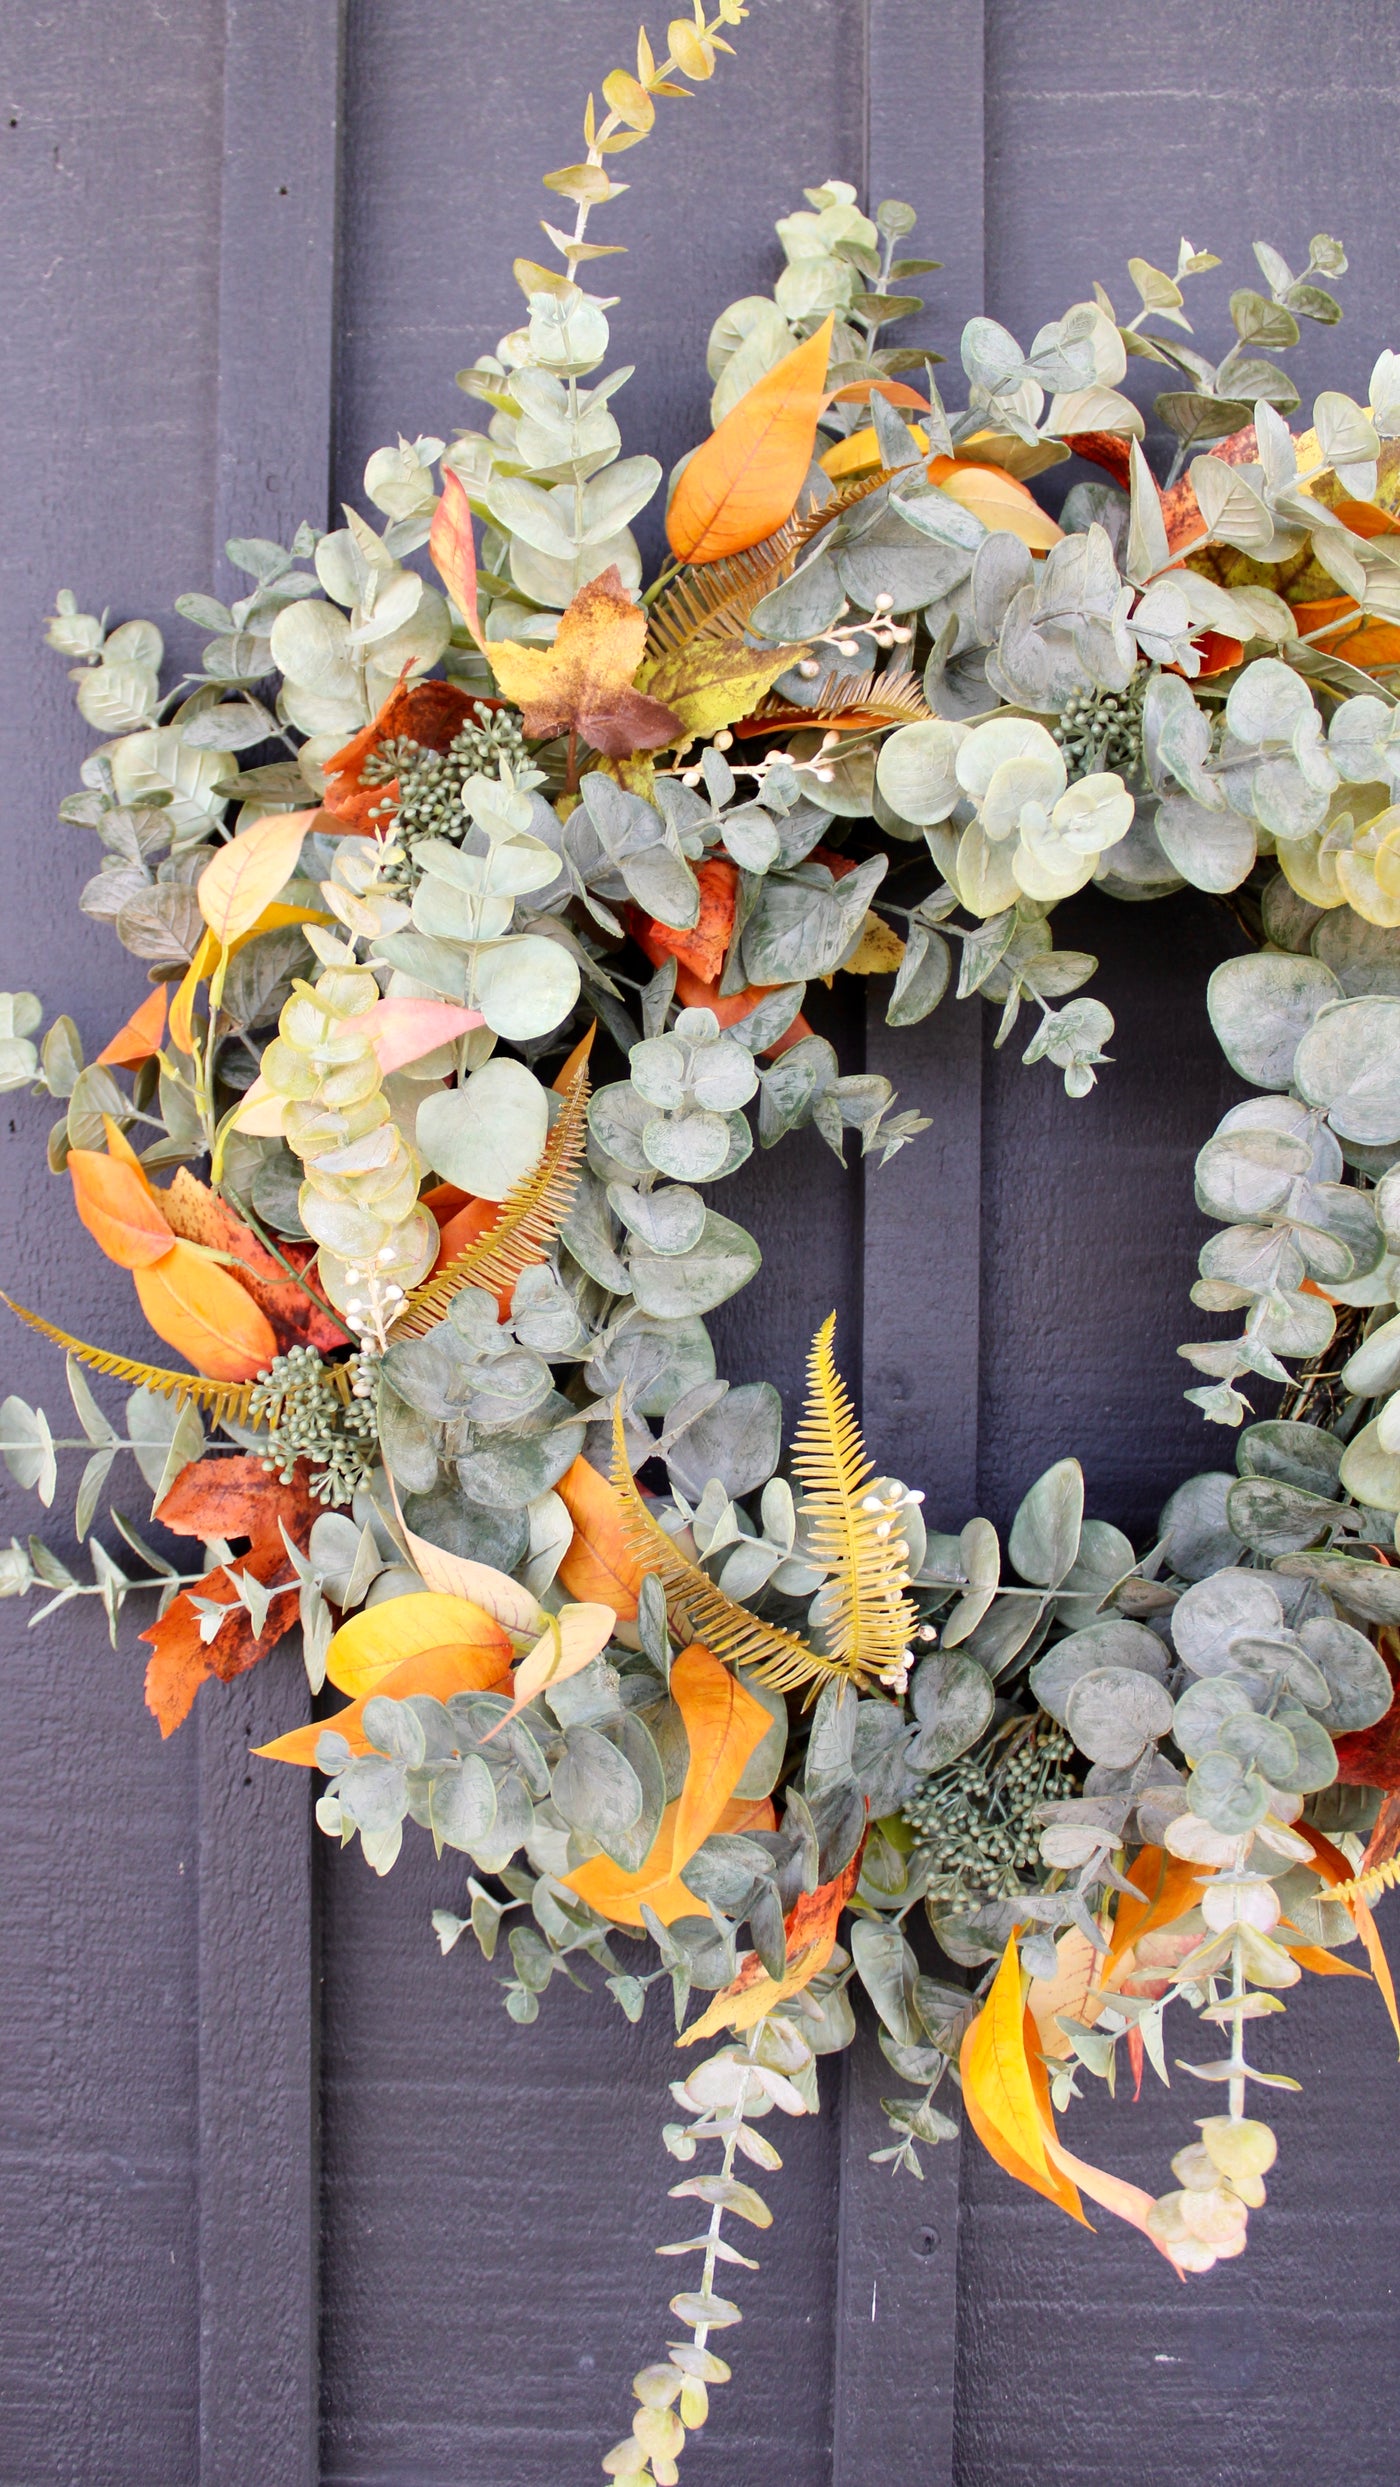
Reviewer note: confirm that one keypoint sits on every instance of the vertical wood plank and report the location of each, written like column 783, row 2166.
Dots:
column 259, row 2205
column 897, row 2284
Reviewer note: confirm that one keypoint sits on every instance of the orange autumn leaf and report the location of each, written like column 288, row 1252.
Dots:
column 1323, row 1964
column 810, row 1932
column 693, row 993
column 116, row 1205
column 725, row 1725
column 744, row 480
column 1000, row 2094
column 441, row 1672
column 463, row 1227
column 583, row 683
column 1168, row 1886
column 704, row 946
column 231, row 1497
column 452, row 551
column 234, row 1496
column 135, row 1043
column 202, row 1312
column 599, row 1568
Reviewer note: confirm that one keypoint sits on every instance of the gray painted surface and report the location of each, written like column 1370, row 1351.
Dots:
column 490, row 2196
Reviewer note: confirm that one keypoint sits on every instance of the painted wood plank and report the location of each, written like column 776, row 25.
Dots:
column 258, row 2041
column 897, row 2306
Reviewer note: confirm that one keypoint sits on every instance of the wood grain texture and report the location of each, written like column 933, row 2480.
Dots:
column 109, row 125
column 259, row 2208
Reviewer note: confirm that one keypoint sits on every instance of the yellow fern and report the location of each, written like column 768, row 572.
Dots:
column 1368, row 1886
column 217, row 1399
column 531, row 1216
column 866, row 1620
column 853, row 704
column 698, row 1607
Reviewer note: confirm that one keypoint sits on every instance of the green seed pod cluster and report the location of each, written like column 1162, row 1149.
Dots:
column 314, row 1421
column 1103, row 729
column 977, row 1821
column 359, row 1199
column 430, row 786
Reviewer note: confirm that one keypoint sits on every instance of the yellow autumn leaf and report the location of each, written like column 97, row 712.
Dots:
column 246, row 875
column 458, row 1576
column 999, row 2093
column 570, row 1641
column 879, row 952
column 370, row 1645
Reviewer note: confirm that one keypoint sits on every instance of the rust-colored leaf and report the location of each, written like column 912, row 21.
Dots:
column 599, row 1568
column 583, row 683
column 227, row 1498
column 441, row 1672
column 116, row 1205
column 810, row 1931
column 432, row 713
column 203, row 1217
column 135, row 1043
column 202, row 1312
column 452, row 551
column 744, row 480
column 704, row 946
column 693, row 993
column 234, row 1496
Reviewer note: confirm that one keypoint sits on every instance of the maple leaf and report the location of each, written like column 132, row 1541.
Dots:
column 583, row 684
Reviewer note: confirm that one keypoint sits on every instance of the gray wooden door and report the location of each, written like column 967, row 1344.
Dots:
column 287, row 2200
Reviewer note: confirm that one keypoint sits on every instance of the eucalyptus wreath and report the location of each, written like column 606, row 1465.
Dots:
column 479, row 899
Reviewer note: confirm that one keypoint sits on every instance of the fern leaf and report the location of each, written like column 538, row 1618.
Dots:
column 698, row 1606
column 531, row 1216
column 866, row 1619
column 853, row 704
column 718, row 599
column 1368, row 1886
column 217, row 1399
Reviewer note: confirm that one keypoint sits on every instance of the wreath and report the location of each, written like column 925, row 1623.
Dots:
column 480, row 898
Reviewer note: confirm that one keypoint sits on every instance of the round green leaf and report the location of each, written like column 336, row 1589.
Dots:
column 487, row 1135
column 1262, row 1006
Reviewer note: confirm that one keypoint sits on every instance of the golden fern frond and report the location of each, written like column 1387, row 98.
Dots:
column 867, row 1622
column 716, row 600
column 217, row 1399
column 531, row 1216
column 853, row 704
column 1368, row 1886
column 698, row 1606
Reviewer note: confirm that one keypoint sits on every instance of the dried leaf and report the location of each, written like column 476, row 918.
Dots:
column 571, row 1640
column 744, row 480
column 432, row 713
column 723, row 1733
column 457, row 1576
column 583, row 683
column 999, row 2092
column 202, row 1217
column 704, row 946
